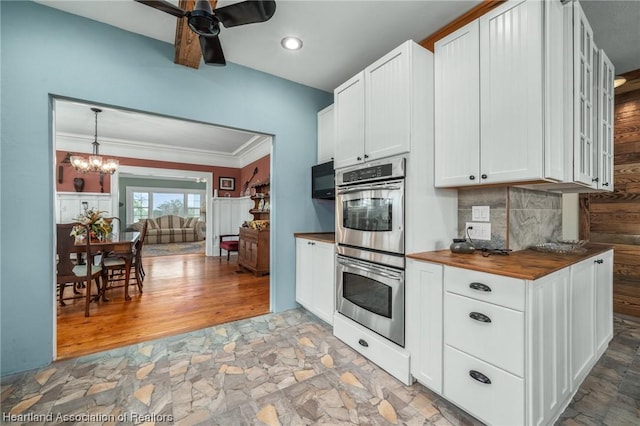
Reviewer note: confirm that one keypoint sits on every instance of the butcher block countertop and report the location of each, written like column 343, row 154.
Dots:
column 525, row 264
column 325, row 237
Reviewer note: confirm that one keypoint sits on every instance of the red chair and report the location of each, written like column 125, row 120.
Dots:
column 229, row 245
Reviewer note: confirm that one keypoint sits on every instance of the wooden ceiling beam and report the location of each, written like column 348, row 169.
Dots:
column 187, row 44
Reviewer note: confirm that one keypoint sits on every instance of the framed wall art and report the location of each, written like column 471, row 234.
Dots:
column 227, row 184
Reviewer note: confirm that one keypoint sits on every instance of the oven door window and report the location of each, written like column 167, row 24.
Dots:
column 367, row 293
column 368, row 214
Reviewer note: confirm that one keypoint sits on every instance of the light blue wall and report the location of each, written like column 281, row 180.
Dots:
column 45, row 52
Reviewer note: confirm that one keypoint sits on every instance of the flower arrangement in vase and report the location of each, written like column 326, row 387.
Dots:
column 99, row 227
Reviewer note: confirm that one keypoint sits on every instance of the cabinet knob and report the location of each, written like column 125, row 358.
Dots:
column 366, row 156
column 605, row 184
column 484, row 176
column 598, row 261
column 358, row 158
column 472, row 177
column 476, row 375
column 595, row 179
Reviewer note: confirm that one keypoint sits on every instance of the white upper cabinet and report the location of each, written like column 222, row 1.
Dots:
column 388, row 92
column 606, row 75
column 376, row 109
column 490, row 99
column 585, row 55
column 457, row 116
column 326, row 134
column 524, row 96
column 349, row 116
column 511, row 96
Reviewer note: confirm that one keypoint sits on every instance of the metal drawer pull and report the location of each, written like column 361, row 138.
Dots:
column 598, row 261
column 363, row 343
column 476, row 375
column 479, row 317
column 479, row 286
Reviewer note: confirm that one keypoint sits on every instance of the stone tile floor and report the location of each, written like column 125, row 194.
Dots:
column 276, row 369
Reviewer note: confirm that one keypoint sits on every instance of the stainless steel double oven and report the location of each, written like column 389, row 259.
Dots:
column 370, row 250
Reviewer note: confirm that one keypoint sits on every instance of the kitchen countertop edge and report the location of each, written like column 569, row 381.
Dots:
column 325, row 237
column 524, row 264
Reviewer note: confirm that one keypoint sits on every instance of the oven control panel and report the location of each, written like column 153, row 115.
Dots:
column 375, row 172
column 372, row 171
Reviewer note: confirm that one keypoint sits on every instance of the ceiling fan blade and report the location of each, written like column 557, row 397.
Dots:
column 245, row 12
column 212, row 50
column 164, row 6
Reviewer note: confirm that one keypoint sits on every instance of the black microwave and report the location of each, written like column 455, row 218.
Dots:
column 323, row 183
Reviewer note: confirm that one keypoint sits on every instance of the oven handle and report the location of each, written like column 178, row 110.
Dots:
column 366, row 188
column 372, row 270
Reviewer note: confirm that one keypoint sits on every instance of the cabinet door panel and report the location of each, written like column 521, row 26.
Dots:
column 349, row 121
column 582, row 320
column 457, row 112
column 388, row 95
column 326, row 134
column 511, row 76
column 604, row 301
column 323, row 280
column 424, row 310
column 606, row 75
column 584, row 162
column 548, row 383
column 304, row 273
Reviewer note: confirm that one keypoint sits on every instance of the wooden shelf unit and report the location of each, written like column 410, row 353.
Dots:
column 260, row 197
column 253, row 246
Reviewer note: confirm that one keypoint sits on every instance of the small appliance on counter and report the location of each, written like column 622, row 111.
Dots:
column 461, row 245
column 323, row 184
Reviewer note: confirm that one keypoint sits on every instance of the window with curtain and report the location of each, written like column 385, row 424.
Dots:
column 145, row 203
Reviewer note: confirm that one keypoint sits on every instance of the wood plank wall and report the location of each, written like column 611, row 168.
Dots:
column 615, row 218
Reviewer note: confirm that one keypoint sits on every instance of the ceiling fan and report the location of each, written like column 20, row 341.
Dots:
column 205, row 21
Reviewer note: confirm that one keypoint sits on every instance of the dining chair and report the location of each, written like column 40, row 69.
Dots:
column 115, row 265
column 70, row 272
column 116, row 223
column 229, row 245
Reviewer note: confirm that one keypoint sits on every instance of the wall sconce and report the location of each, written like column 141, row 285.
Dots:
column 67, row 160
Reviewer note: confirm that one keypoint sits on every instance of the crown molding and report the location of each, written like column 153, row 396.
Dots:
column 256, row 148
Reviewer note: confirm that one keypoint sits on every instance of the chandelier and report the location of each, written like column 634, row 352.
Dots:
column 94, row 163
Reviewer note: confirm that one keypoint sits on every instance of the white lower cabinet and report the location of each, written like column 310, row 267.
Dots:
column 490, row 393
column 423, row 334
column 508, row 351
column 315, row 277
column 604, row 301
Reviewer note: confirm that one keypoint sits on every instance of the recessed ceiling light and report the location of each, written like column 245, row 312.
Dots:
column 291, row 43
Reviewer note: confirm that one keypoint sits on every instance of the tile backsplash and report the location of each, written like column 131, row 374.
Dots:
column 519, row 217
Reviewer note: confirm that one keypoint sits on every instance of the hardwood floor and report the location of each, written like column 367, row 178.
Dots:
column 181, row 294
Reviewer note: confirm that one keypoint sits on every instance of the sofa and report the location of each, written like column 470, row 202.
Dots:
column 171, row 229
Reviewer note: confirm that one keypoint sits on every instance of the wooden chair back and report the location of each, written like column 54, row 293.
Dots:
column 64, row 245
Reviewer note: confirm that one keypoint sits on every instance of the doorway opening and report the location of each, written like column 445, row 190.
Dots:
column 181, row 292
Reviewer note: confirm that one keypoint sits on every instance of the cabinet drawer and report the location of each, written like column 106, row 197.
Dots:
column 500, row 402
column 497, row 289
column 490, row 332
column 389, row 356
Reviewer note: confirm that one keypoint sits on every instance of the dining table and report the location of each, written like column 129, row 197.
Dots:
column 116, row 244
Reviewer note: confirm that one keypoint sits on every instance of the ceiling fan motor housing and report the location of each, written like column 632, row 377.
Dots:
column 203, row 23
